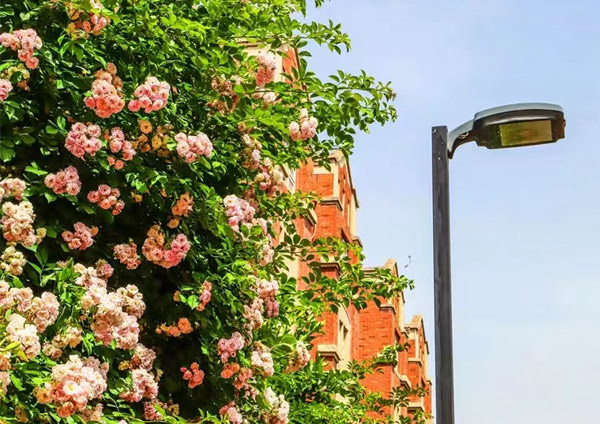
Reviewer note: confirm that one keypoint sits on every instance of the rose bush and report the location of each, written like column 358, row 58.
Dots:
column 144, row 272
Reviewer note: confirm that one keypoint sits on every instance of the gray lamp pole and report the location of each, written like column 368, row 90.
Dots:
column 517, row 125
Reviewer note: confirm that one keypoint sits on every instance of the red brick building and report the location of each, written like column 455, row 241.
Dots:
column 358, row 335
column 351, row 334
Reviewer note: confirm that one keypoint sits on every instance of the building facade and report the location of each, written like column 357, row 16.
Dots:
column 359, row 335
column 351, row 334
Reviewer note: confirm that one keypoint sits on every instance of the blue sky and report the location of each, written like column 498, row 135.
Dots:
column 525, row 222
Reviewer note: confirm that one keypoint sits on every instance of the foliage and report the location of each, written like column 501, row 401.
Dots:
column 194, row 223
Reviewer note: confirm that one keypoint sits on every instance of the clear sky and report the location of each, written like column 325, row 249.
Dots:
column 525, row 222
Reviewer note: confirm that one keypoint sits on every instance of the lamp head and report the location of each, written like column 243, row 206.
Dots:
column 525, row 124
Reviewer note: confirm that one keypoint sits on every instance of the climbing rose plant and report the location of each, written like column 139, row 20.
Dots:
column 146, row 231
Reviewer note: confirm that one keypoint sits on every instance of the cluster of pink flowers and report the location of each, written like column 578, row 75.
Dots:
column 267, row 65
column 37, row 314
column 150, row 411
column 12, row 187
column 94, row 24
column 194, row 376
column 17, row 224
column 267, row 251
column 107, row 197
column 12, row 261
column 251, row 152
column 261, row 358
column 225, row 87
column 143, row 386
column 254, row 314
column 268, row 97
column 279, row 408
column 18, row 331
column 4, row 383
column 229, row 370
column 65, row 181
column 5, row 361
column 154, row 248
column 107, row 98
column 151, row 96
column 83, row 139
column 26, row 41
column 205, row 296
column 20, row 299
column 116, row 317
column 299, row 359
column 92, row 414
column 242, row 381
column 239, row 211
column 104, row 270
column 189, row 147
column 44, row 311
column 82, row 236
column 231, row 413
column 269, row 177
column 228, row 347
column 127, row 255
column 115, row 314
column 5, row 88
column 267, row 291
column 143, row 382
column 69, row 336
column 306, row 129
column 143, row 357
column 184, row 205
column 117, row 143
column 74, row 384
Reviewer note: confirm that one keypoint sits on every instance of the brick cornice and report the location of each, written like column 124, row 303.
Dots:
column 329, row 350
column 330, row 266
column 388, row 306
column 403, row 379
column 335, row 201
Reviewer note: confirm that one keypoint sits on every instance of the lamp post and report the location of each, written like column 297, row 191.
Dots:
column 516, row 125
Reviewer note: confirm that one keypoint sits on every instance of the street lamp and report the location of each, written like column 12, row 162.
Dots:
column 525, row 124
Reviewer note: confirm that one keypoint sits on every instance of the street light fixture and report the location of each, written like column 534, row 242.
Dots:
column 518, row 125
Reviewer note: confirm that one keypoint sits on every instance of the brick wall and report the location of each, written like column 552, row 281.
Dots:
column 359, row 335
column 350, row 334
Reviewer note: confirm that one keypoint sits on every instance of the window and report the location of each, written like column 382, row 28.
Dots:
column 344, row 342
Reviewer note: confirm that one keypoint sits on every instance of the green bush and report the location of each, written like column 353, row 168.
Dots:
column 143, row 151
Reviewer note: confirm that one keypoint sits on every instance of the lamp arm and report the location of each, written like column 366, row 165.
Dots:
column 460, row 135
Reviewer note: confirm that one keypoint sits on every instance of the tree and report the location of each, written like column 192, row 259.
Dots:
column 143, row 278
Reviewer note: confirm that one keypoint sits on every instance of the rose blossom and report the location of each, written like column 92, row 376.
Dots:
column 107, row 198
column 189, row 147
column 25, row 41
column 127, row 255
column 106, row 99
column 151, row 96
column 306, row 129
column 5, row 88
column 267, row 64
column 154, row 248
column 12, row 261
column 75, row 383
column 81, row 238
column 17, row 224
column 231, row 413
column 83, row 139
column 205, row 296
column 64, row 181
column 194, row 376
column 228, row 347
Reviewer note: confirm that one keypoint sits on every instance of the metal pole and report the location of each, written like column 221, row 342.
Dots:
column 444, row 374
